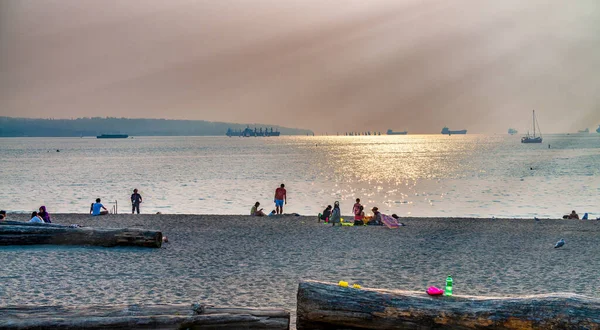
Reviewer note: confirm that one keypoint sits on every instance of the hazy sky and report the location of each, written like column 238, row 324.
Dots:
column 335, row 65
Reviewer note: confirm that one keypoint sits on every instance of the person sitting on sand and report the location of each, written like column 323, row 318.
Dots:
column 35, row 218
column 359, row 216
column 96, row 208
column 44, row 215
column 272, row 213
column 2, row 215
column 336, row 214
column 573, row 215
column 376, row 220
column 326, row 214
column 255, row 211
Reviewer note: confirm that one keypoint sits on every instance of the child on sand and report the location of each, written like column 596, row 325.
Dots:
column 35, row 218
column 335, row 214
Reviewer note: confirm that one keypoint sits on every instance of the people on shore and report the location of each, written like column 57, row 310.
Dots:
column 136, row 200
column 2, row 215
column 272, row 213
column 280, row 198
column 359, row 216
column 255, row 211
column 44, row 215
column 326, row 214
column 376, row 219
column 98, row 209
column 356, row 206
column 573, row 215
column 336, row 214
column 35, row 218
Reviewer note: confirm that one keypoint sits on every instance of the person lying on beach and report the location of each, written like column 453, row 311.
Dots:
column 573, row 215
column 96, row 208
column 35, row 218
column 359, row 216
column 376, row 220
column 326, row 214
column 44, row 215
column 336, row 214
column 255, row 211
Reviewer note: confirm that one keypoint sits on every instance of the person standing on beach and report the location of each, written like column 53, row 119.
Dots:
column 356, row 207
column 280, row 198
column 136, row 200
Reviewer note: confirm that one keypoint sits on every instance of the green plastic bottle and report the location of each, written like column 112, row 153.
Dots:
column 448, row 290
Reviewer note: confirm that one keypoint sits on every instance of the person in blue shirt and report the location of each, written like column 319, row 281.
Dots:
column 96, row 208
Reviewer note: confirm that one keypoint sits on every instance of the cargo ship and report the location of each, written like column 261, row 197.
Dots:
column 112, row 136
column 445, row 130
column 390, row 132
column 248, row 132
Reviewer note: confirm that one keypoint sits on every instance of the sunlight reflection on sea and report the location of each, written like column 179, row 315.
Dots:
column 418, row 175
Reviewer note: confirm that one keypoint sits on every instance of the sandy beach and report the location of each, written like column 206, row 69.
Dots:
column 239, row 260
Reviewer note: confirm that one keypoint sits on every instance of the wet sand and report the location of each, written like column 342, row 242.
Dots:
column 251, row 261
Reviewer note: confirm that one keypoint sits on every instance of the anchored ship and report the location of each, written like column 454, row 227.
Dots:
column 390, row 132
column 248, row 132
column 445, row 130
column 112, row 136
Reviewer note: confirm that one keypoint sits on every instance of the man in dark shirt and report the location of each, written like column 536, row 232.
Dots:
column 136, row 200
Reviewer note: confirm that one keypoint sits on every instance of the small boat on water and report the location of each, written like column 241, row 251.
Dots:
column 584, row 131
column 112, row 136
column 512, row 131
column 598, row 129
column 533, row 138
column 390, row 132
column 446, row 130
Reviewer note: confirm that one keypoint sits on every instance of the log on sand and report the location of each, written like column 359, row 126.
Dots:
column 23, row 233
column 194, row 316
column 329, row 306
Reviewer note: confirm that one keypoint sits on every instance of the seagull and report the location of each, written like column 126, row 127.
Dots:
column 559, row 243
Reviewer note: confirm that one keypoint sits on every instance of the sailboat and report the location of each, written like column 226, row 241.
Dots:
column 533, row 138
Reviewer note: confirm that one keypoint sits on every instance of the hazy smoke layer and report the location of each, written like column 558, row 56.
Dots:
column 337, row 65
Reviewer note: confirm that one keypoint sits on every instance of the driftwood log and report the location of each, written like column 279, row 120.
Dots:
column 194, row 316
column 24, row 233
column 329, row 306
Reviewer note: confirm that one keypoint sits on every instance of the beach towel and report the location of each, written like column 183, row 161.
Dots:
column 389, row 221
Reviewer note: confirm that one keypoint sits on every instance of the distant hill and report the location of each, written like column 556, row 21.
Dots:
column 15, row 127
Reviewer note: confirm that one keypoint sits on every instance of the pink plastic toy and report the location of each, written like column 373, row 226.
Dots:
column 433, row 291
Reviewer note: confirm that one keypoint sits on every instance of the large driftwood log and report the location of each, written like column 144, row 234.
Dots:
column 329, row 306
column 23, row 233
column 141, row 317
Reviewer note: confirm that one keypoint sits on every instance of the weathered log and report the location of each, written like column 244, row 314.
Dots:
column 329, row 306
column 23, row 233
column 141, row 317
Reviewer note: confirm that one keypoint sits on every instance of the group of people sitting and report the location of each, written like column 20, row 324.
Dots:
column 333, row 215
column 255, row 211
column 41, row 216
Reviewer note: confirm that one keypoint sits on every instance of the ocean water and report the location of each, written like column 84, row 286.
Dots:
column 412, row 175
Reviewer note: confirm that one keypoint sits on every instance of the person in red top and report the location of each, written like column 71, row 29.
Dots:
column 280, row 199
